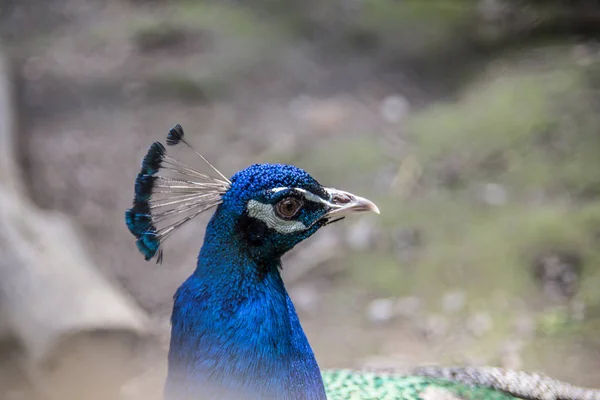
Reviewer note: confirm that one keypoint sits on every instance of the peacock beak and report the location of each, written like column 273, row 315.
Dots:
column 344, row 203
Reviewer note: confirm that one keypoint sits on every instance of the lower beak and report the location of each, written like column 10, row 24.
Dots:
column 344, row 203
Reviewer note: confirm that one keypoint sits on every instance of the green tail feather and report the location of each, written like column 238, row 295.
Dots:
column 451, row 383
column 353, row 385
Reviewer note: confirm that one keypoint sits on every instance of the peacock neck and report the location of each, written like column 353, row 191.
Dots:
column 235, row 332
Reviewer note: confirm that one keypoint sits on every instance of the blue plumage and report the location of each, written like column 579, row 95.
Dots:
column 137, row 222
column 143, row 187
column 175, row 135
column 148, row 244
column 138, row 218
column 234, row 328
column 153, row 159
column 235, row 332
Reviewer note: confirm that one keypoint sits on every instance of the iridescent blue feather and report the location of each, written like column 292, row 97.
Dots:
column 175, row 135
column 168, row 201
column 138, row 218
column 235, row 332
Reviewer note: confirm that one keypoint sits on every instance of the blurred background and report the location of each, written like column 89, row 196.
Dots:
column 473, row 125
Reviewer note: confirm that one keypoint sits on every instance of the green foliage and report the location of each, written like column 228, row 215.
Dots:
column 226, row 19
column 529, row 130
column 557, row 322
column 184, row 87
column 348, row 157
column 392, row 14
column 158, row 35
column 225, row 40
column 535, row 133
column 503, row 128
column 522, row 130
column 414, row 26
column 341, row 160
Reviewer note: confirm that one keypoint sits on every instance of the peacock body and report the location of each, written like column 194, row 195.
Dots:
column 235, row 333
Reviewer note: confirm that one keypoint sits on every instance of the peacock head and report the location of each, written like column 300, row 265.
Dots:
column 269, row 207
column 277, row 206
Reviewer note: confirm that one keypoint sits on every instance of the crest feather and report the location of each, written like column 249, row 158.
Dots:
column 167, row 194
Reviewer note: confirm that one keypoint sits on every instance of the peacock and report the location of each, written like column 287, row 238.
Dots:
column 234, row 331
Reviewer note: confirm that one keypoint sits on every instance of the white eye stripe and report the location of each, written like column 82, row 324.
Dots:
column 266, row 214
column 305, row 193
column 310, row 196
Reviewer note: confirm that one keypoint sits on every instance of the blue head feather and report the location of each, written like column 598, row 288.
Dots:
column 138, row 218
column 235, row 332
column 175, row 135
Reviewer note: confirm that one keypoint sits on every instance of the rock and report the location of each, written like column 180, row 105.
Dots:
column 394, row 108
column 434, row 327
column 408, row 307
column 510, row 355
column 493, row 194
column 479, row 324
column 362, row 235
column 583, row 55
column 559, row 274
column 381, row 311
column 454, row 301
column 78, row 334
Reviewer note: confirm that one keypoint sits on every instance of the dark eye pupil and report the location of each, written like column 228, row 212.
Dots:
column 287, row 208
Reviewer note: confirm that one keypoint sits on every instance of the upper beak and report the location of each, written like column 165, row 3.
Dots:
column 344, row 203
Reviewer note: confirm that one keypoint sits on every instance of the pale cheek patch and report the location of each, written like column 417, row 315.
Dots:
column 266, row 214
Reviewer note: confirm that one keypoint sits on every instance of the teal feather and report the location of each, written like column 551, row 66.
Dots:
column 353, row 385
column 450, row 383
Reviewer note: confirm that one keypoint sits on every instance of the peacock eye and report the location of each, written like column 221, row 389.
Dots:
column 288, row 207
